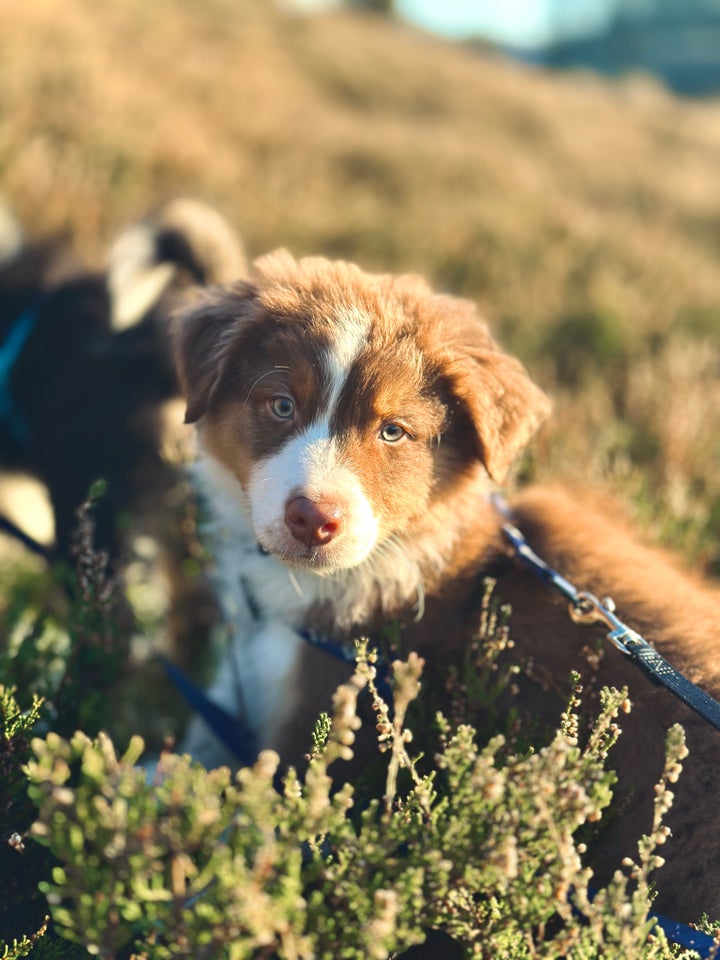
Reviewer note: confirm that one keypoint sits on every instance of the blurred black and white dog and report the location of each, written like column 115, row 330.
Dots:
column 85, row 366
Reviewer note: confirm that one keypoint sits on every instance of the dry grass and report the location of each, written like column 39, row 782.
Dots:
column 584, row 217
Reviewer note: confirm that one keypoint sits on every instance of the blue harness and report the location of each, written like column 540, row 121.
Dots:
column 10, row 353
column 234, row 732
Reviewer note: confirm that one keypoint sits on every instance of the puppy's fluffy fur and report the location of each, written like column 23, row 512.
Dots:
column 351, row 427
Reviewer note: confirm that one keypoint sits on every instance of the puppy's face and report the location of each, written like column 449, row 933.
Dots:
column 347, row 405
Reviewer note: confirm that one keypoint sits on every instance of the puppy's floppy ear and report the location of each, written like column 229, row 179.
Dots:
column 503, row 403
column 204, row 333
column 506, row 408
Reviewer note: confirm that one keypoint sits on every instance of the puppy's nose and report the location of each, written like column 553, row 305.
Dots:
column 313, row 523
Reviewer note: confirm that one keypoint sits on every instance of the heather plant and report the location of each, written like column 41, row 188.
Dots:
column 482, row 846
column 22, row 864
column 24, row 928
column 58, row 667
column 69, row 644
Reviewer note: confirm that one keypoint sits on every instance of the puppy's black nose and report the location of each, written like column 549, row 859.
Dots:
column 314, row 523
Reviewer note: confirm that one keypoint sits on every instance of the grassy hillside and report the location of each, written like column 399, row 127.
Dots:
column 584, row 217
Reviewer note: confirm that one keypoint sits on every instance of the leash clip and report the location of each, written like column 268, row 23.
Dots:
column 586, row 608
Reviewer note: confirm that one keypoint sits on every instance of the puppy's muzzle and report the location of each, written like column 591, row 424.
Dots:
column 314, row 523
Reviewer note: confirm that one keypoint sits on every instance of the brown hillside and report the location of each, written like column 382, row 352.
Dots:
column 584, row 217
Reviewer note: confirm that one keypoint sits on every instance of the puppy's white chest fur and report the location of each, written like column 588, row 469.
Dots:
column 264, row 605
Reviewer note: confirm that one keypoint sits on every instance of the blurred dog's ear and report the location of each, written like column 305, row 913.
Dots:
column 203, row 334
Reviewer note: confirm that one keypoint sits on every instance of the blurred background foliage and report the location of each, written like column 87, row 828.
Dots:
column 582, row 214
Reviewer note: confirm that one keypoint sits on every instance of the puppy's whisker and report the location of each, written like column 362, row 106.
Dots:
column 296, row 584
column 419, row 582
column 259, row 379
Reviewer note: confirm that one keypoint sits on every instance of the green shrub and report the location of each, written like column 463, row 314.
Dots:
column 191, row 863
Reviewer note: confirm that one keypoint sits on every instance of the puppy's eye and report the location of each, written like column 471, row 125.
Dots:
column 282, row 407
column 392, row 432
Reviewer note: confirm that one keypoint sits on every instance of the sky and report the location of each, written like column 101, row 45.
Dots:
column 516, row 22
column 521, row 23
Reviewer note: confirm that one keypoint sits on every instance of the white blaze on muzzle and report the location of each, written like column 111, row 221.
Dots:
column 308, row 466
column 308, row 470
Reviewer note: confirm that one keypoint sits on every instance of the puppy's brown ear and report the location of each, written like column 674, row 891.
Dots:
column 496, row 393
column 204, row 333
column 506, row 407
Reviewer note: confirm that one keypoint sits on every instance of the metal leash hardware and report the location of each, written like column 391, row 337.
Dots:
column 586, row 608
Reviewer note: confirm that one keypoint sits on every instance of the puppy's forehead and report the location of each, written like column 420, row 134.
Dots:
column 345, row 345
column 349, row 335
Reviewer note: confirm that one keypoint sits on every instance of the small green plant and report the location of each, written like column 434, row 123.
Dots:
column 70, row 652
column 71, row 649
column 22, row 863
column 17, row 949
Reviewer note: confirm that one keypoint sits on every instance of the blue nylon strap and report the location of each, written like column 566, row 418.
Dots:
column 678, row 933
column 659, row 670
column 7, row 526
column 232, row 731
column 345, row 653
column 9, row 354
column 687, row 937
column 525, row 552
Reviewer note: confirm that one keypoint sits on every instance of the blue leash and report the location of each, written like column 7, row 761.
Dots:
column 586, row 608
column 687, row 937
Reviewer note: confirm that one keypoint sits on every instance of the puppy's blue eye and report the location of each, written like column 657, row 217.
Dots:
column 392, row 432
column 282, row 407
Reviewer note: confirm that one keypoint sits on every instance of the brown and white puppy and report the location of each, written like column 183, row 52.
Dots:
column 351, row 428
